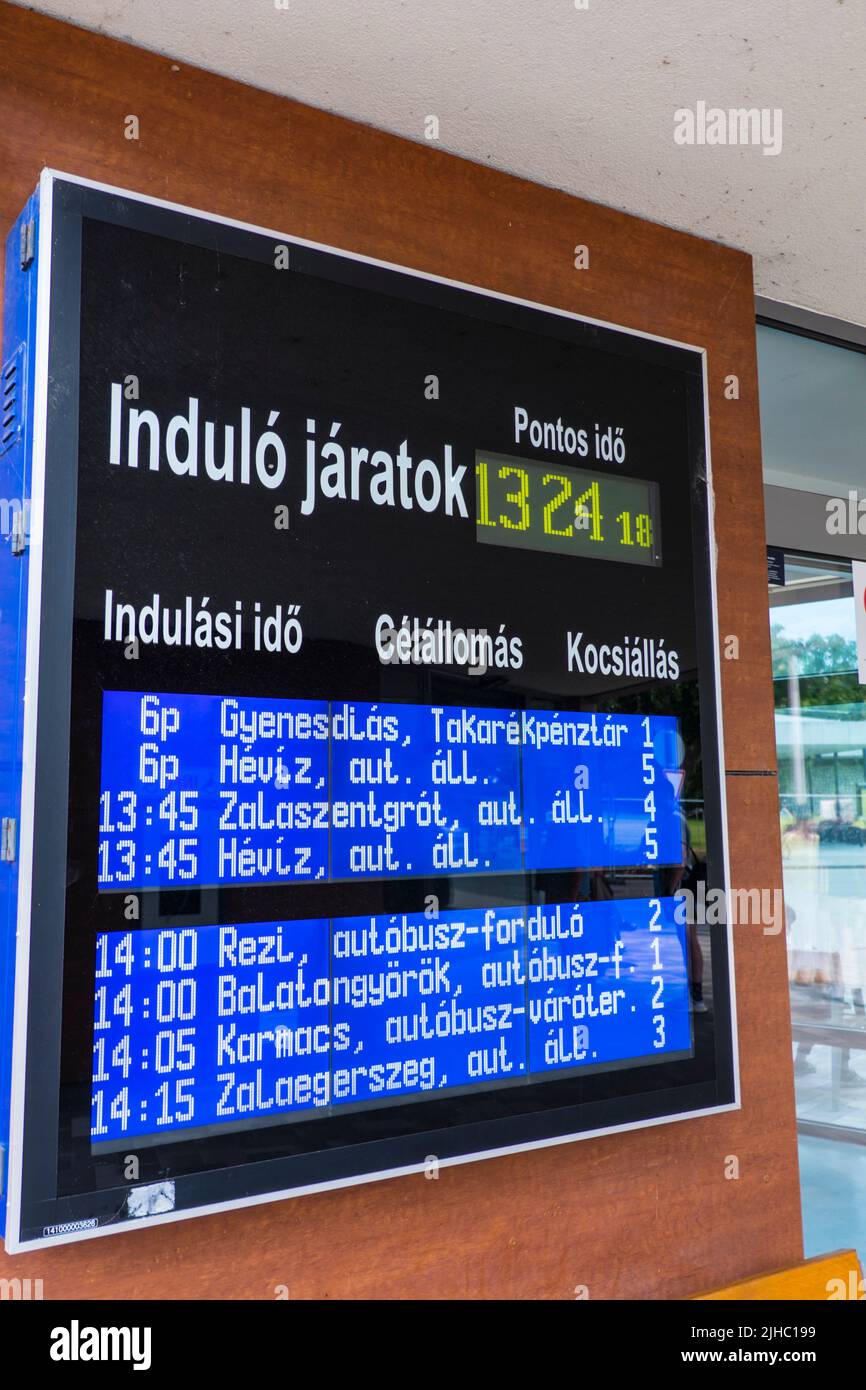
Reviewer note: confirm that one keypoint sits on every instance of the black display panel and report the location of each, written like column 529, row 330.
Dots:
column 538, row 506
column 378, row 725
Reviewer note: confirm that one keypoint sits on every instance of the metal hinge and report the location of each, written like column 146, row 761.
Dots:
column 28, row 242
column 12, row 399
column 18, row 535
column 8, row 839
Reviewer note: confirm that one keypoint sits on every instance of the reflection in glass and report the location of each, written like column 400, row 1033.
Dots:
column 821, row 745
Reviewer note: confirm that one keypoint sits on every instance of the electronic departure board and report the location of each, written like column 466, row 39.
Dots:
column 203, row 790
column 371, row 755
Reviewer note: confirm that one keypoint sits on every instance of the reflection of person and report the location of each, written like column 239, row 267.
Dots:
column 800, row 843
column 825, row 992
column 683, row 877
column 694, row 872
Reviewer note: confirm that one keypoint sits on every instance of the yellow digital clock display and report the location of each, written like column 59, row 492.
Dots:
column 552, row 507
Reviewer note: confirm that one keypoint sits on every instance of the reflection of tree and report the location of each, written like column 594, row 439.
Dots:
column 826, row 667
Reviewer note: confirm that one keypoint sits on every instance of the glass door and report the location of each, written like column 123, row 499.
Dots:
column 821, row 744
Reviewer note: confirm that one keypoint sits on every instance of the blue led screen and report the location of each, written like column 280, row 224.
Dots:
column 225, row 1024
column 211, row 790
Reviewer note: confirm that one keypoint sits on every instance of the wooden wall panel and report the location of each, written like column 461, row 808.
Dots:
column 648, row 1214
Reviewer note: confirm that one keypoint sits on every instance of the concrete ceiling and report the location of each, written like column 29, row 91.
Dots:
column 582, row 99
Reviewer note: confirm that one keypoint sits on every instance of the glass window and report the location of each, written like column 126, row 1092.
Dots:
column 821, row 745
column 813, row 431
column 813, row 413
